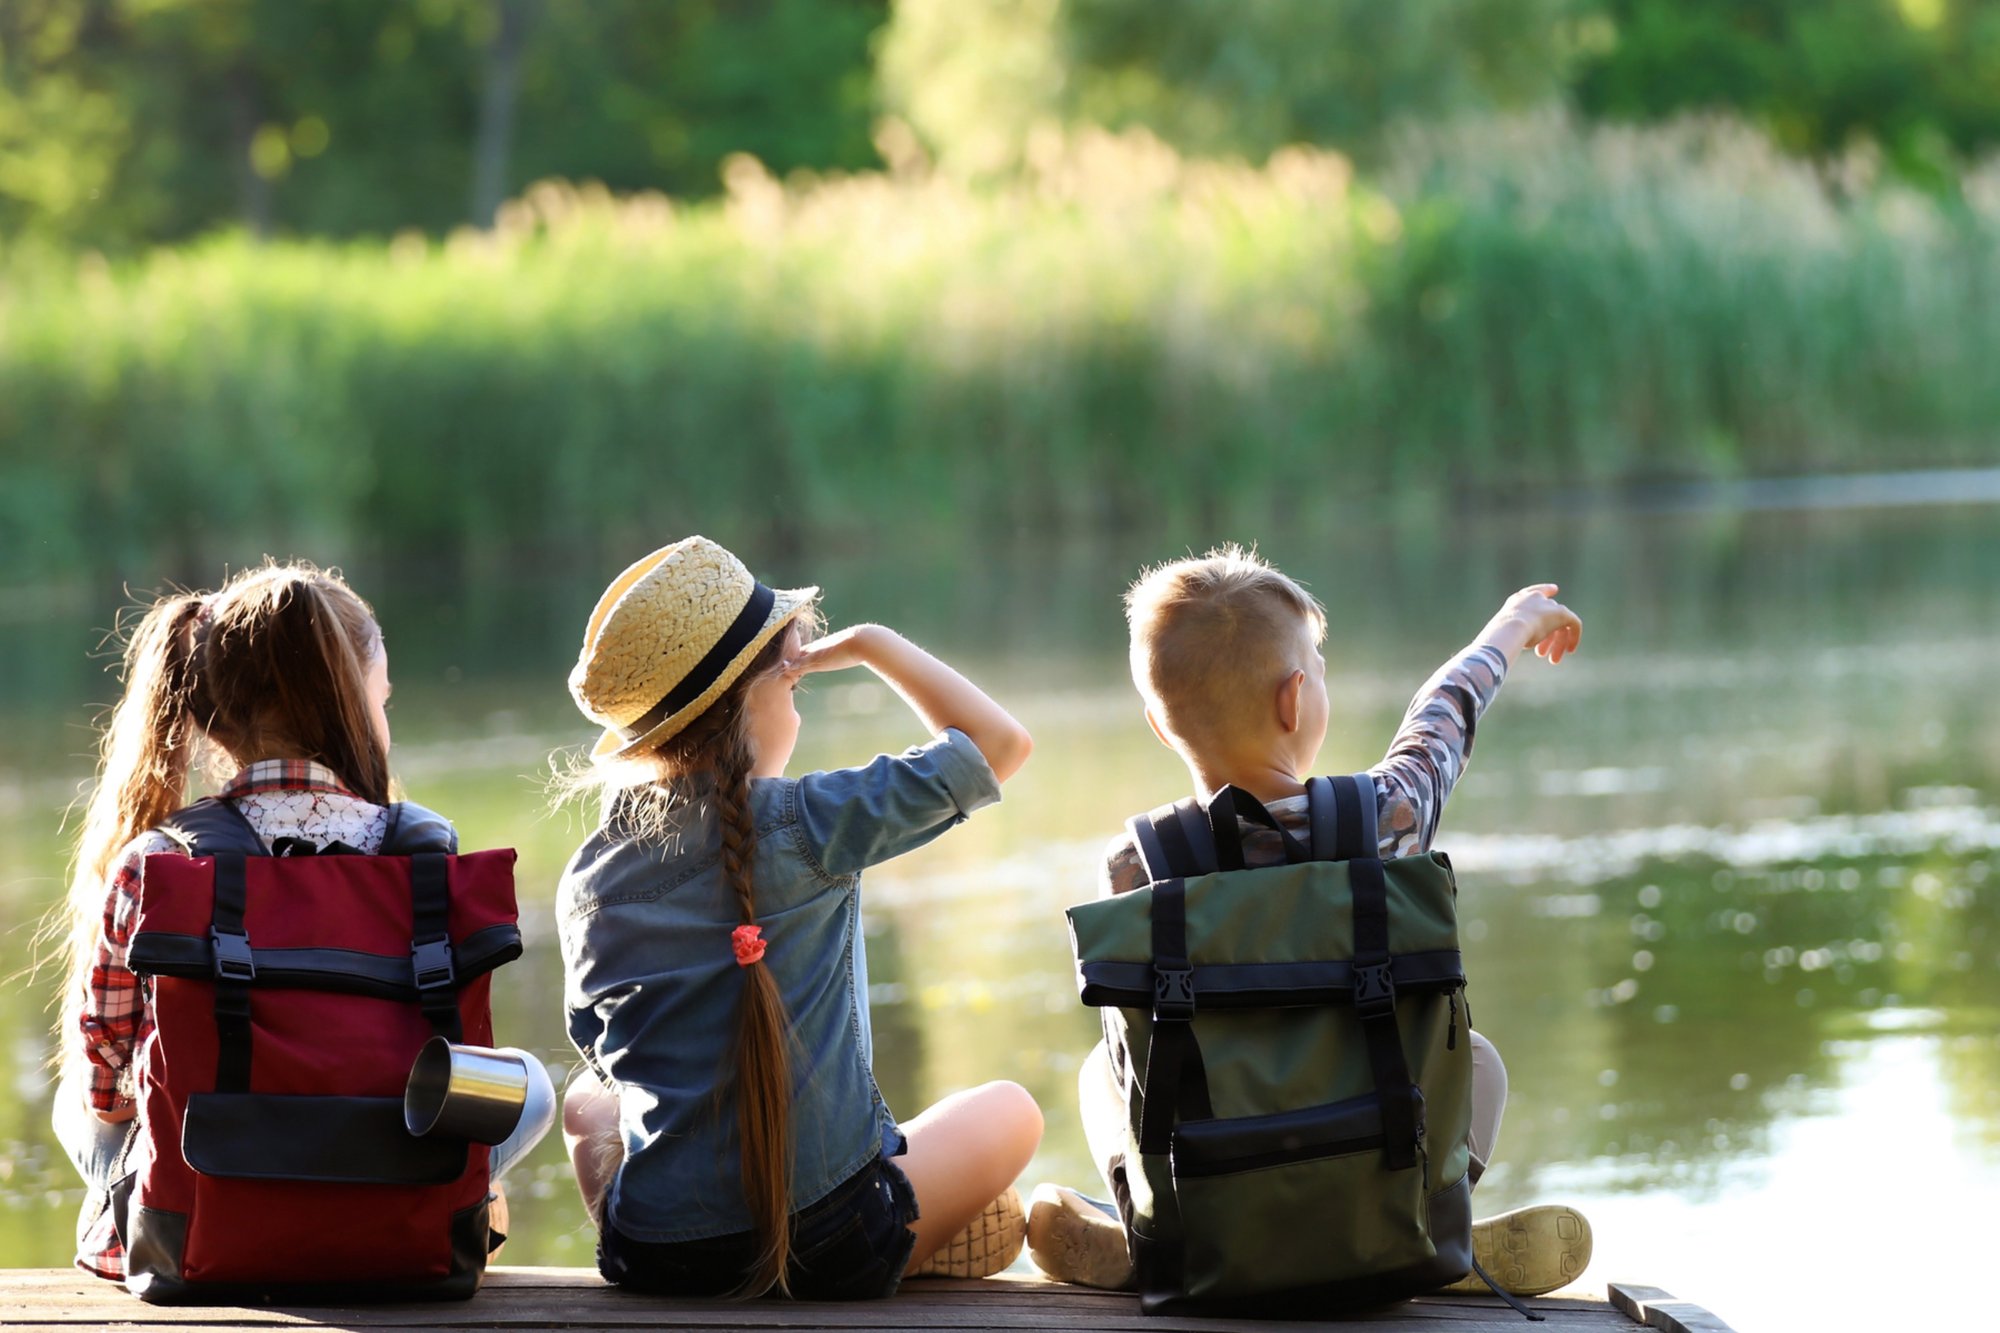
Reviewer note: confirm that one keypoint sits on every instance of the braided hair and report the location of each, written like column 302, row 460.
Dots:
column 713, row 757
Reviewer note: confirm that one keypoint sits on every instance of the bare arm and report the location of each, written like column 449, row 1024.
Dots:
column 937, row 694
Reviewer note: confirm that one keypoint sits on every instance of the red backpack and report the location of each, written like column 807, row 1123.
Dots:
column 291, row 994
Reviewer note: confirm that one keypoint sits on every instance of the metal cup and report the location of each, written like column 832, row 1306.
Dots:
column 474, row 1092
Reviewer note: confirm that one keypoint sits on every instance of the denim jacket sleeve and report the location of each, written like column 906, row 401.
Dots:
column 853, row 818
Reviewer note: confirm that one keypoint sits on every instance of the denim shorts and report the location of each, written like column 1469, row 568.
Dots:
column 851, row 1245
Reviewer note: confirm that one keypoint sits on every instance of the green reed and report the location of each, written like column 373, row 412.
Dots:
column 1120, row 335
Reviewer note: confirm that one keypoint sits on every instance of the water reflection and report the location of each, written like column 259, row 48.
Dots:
column 1728, row 886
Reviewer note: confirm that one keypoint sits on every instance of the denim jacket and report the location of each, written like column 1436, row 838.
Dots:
column 652, row 988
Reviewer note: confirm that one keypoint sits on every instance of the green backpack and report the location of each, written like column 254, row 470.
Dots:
column 1299, row 1143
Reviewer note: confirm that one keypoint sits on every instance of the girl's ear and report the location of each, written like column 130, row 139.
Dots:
column 1289, row 691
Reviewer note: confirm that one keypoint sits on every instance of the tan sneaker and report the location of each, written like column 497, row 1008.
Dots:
column 1074, row 1240
column 1530, row 1251
column 987, row 1245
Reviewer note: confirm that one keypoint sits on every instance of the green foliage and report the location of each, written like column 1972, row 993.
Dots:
column 123, row 121
column 1919, row 77
column 1255, row 75
column 1122, row 333
column 975, row 77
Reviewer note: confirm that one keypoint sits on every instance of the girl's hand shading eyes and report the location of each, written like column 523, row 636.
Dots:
column 833, row 652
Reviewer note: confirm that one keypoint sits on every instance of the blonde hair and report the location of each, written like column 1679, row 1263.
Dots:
column 1213, row 634
column 275, row 663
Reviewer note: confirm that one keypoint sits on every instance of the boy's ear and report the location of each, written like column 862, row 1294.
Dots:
column 1289, row 691
column 1159, row 731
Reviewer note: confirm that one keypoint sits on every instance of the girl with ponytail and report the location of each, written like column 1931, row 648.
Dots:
column 279, row 684
column 726, row 1129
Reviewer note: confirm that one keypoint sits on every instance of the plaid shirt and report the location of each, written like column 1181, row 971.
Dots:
column 281, row 798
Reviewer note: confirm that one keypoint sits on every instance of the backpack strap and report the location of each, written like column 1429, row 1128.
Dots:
column 1174, row 841
column 413, row 828
column 212, row 827
column 1231, row 805
column 427, row 838
column 1176, row 1079
column 1342, row 811
column 1344, row 828
column 215, row 828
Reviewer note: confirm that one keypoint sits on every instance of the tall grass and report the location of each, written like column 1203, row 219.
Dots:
column 1122, row 333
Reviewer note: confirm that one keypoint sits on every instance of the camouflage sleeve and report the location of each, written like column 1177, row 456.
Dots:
column 1431, row 748
column 1122, row 871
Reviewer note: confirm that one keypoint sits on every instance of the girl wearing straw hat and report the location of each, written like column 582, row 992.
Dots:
column 727, row 1132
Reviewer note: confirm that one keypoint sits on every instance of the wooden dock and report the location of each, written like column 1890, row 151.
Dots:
column 61, row 1301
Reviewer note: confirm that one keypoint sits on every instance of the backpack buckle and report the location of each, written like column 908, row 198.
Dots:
column 1173, row 994
column 233, row 960
column 1374, row 989
column 431, row 961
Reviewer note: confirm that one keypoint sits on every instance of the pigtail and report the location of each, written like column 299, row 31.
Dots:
column 142, row 774
column 320, row 670
column 763, row 1055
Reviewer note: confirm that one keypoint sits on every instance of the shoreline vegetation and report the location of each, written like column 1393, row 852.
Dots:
column 1118, row 336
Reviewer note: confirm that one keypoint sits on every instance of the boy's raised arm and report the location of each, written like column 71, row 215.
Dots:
column 1432, row 747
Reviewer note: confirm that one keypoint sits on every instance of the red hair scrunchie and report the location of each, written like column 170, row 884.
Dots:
column 748, row 942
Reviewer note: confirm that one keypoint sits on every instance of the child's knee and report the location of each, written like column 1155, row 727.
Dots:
column 1489, row 1071
column 1011, row 1109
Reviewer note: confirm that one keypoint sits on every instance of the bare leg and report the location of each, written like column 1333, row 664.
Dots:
column 590, row 1133
column 963, row 1153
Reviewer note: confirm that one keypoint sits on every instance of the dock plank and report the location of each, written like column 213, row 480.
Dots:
column 60, row 1301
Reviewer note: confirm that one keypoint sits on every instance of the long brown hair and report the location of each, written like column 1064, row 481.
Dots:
column 712, row 757
column 272, row 665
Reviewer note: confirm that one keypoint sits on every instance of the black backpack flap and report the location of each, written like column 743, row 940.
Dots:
column 334, row 1140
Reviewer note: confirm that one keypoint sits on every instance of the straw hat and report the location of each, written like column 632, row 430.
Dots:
column 668, row 637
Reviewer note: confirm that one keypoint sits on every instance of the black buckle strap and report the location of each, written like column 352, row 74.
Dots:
column 235, row 967
column 430, row 943
column 1173, row 995
column 231, row 952
column 1375, row 1003
column 1176, row 1078
column 1374, row 989
column 430, row 960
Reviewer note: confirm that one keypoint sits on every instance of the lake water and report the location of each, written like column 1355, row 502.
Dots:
column 1728, row 876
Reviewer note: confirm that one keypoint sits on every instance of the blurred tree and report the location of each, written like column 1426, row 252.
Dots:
column 1255, row 75
column 126, row 121
column 1919, row 77
column 974, row 76
column 644, row 95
